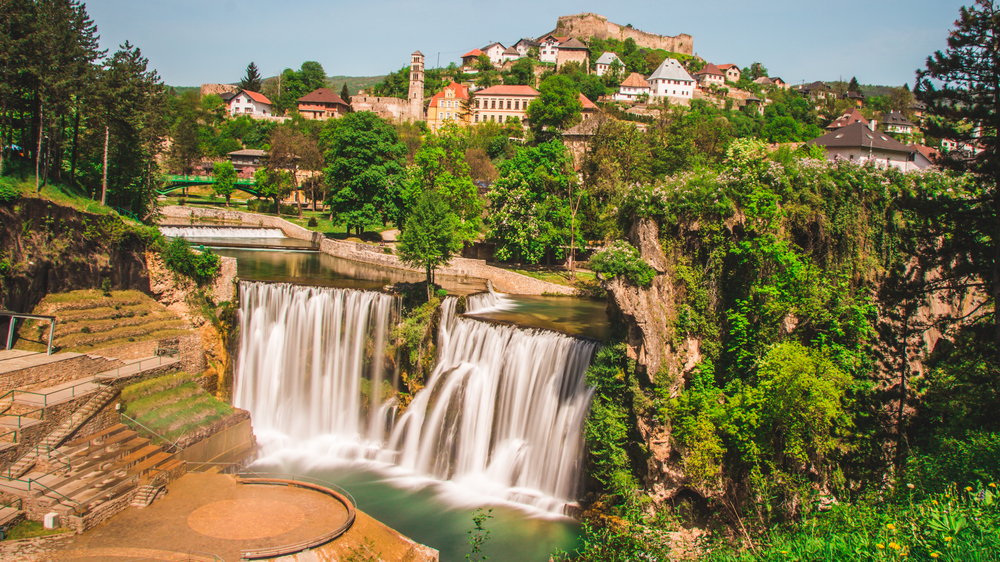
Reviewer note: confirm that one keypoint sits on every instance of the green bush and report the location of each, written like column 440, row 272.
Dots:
column 312, row 222
column 179, row 258
column 8, row 192
column 623, row 259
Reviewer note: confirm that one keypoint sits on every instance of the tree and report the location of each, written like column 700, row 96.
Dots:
column 274, row 184
column 345, row 94
column 251, row 80
column 522, row 73
column 364, row 169
column 854, row 86
column 430, row 238
column 961, row 87
column 757, row 70
column 225, row 179
column 556, row 107
column 185, row 147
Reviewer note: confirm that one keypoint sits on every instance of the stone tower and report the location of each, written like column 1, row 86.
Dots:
column 416, row 93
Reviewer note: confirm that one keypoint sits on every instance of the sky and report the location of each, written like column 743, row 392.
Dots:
column 191, row 42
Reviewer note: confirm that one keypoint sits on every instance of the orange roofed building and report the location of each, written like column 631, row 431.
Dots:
column 446, row 105
column 503, row 103
column 322, row 104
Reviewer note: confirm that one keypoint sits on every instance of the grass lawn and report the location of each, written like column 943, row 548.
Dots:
column 584, row 279
column 30, row 529
column 59, row 193
column 172, row 405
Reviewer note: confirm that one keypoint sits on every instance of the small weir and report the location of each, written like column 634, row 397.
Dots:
column 184, row 231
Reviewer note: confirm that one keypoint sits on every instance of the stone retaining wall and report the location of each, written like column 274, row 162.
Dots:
column 503, row 280
column 57, row 372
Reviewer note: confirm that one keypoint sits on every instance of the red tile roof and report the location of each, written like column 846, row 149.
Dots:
column 259, row 98
column 635, row 80
column 322, row 95
column 710, row 69
column 587, row 104
column 930, row 153
column 852, row 116
column 508, row 91
column 472, row 53
column 461, row 92
column 727, row 66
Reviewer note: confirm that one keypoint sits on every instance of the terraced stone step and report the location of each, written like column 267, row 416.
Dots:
column 56, row 394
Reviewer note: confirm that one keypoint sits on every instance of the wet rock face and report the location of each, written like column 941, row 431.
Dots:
column 648, row 314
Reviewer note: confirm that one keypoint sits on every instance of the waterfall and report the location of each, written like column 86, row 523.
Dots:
column 502, row 413
column 488, row 301
column 220, row 232
column 301, row 369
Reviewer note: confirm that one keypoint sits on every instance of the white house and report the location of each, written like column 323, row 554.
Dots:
column 525, row 45
column 670, row 79
column 632, row 87
column 548, row 47
column 605, row 61
column 895, row 122
column 511, row 54
column 710, row 75
column 495, row 52
column 731, row 71
column 249, row 103
column 859, row 143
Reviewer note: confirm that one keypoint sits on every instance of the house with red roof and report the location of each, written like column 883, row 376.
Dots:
column 502, row 103
column 322, row 104
column 849, row 118
column 469, row 59
column 710, row 75
column 632, row 87
column 548, row 47
column 731, row 71
column 447, row 105
column 249, row 103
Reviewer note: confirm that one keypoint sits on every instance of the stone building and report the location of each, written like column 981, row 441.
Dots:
column 397, row 109
column 573, row 50
column 587, row 25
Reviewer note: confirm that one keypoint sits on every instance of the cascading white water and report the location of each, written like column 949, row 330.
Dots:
column 488, row 301
column 219, row 232
column 301, row 364
column 502, row 412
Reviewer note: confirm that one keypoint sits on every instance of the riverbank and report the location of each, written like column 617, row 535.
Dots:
column 503, row 280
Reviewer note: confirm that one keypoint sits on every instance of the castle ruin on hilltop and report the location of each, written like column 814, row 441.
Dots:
column 396, row 109
column 587, row 25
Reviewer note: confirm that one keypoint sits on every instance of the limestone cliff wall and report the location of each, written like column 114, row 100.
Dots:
column 589, row 25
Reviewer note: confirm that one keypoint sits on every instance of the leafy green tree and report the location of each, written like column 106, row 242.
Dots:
column 251, row 80
column 274, row 184
column 430, row 238
column 757, row 70
column 557, row 107
column 185, row 147
column 522, row 73
column 529, row 215
column 442, row 167
column 961, row 86
column 364, row 169
column 225, row 179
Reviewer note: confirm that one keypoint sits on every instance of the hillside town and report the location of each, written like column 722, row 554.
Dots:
column 577, row 296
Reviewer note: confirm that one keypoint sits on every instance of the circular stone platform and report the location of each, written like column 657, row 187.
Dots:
column 205, row 514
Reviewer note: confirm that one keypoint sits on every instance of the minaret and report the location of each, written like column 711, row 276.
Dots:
column 416, row 93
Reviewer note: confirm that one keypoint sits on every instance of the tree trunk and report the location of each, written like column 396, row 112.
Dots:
column 38, row 153
column 104, row 180
column 429, row 282
column 76, row 139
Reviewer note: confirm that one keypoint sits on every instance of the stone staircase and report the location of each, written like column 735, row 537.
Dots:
column 65, row 429
column 111, row 469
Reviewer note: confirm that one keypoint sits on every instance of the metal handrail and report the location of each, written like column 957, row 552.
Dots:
column 45, row 395
column 13, row 319
column 14, row 440
column 299, row 478
column 49, row 449
column 284, row 550
column 18, row 501
column 25, row 416
column 137, row 422
column 143, row 364
column 31, row 481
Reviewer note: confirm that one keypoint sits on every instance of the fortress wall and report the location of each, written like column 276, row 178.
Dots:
column 593, row 25
column 387, row 108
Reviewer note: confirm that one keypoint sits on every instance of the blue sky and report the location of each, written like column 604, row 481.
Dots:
column 193, row 42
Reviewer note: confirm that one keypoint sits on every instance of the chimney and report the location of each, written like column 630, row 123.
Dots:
column 872, row 124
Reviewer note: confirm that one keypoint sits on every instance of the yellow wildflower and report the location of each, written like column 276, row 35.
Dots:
column 968, row 488
column 890, row 526
column 784, row 552
column 880, row 546
column 947, row 539
column 934, row 555
column 894, row 546
column 992, row 485
column 934, row 502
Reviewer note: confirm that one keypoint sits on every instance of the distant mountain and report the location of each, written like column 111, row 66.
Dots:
column 354, row 83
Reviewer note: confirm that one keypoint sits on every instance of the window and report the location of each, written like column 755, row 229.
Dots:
column 477, row 104
column 475, row 118
column 508, row 104
column 517, row 104
column 494, row 105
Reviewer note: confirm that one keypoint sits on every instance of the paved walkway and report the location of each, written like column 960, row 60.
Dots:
column 209, row 513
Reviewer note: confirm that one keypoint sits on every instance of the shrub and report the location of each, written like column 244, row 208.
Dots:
column 623, row 259
column 8, row 192
column 179, row 258
column 312, row 222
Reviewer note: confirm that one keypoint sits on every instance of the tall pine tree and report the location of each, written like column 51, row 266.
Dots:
column 251, row 81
